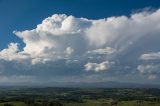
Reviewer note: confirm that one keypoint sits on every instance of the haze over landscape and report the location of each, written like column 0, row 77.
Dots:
column 100, row 44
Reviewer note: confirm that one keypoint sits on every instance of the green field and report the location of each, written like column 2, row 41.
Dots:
column 78, row 97
column 90, row 103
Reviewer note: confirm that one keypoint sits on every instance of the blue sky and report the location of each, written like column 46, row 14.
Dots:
column 94, row 41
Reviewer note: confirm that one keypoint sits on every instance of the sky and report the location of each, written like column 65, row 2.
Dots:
column 46, row 41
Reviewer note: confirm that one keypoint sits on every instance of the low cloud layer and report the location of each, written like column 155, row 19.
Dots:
column 84, row 44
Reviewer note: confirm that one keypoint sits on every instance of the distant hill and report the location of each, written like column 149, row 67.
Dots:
column 102, row 85
column 109, row 84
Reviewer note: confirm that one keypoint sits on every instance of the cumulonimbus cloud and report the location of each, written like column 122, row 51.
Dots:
column 71, row 38
column 50, row 39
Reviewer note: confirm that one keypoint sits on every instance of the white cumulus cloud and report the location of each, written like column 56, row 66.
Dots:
column 150, row 56
column 152, row 77
column 149, row 69
column 104, row 66
column 12, row 53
